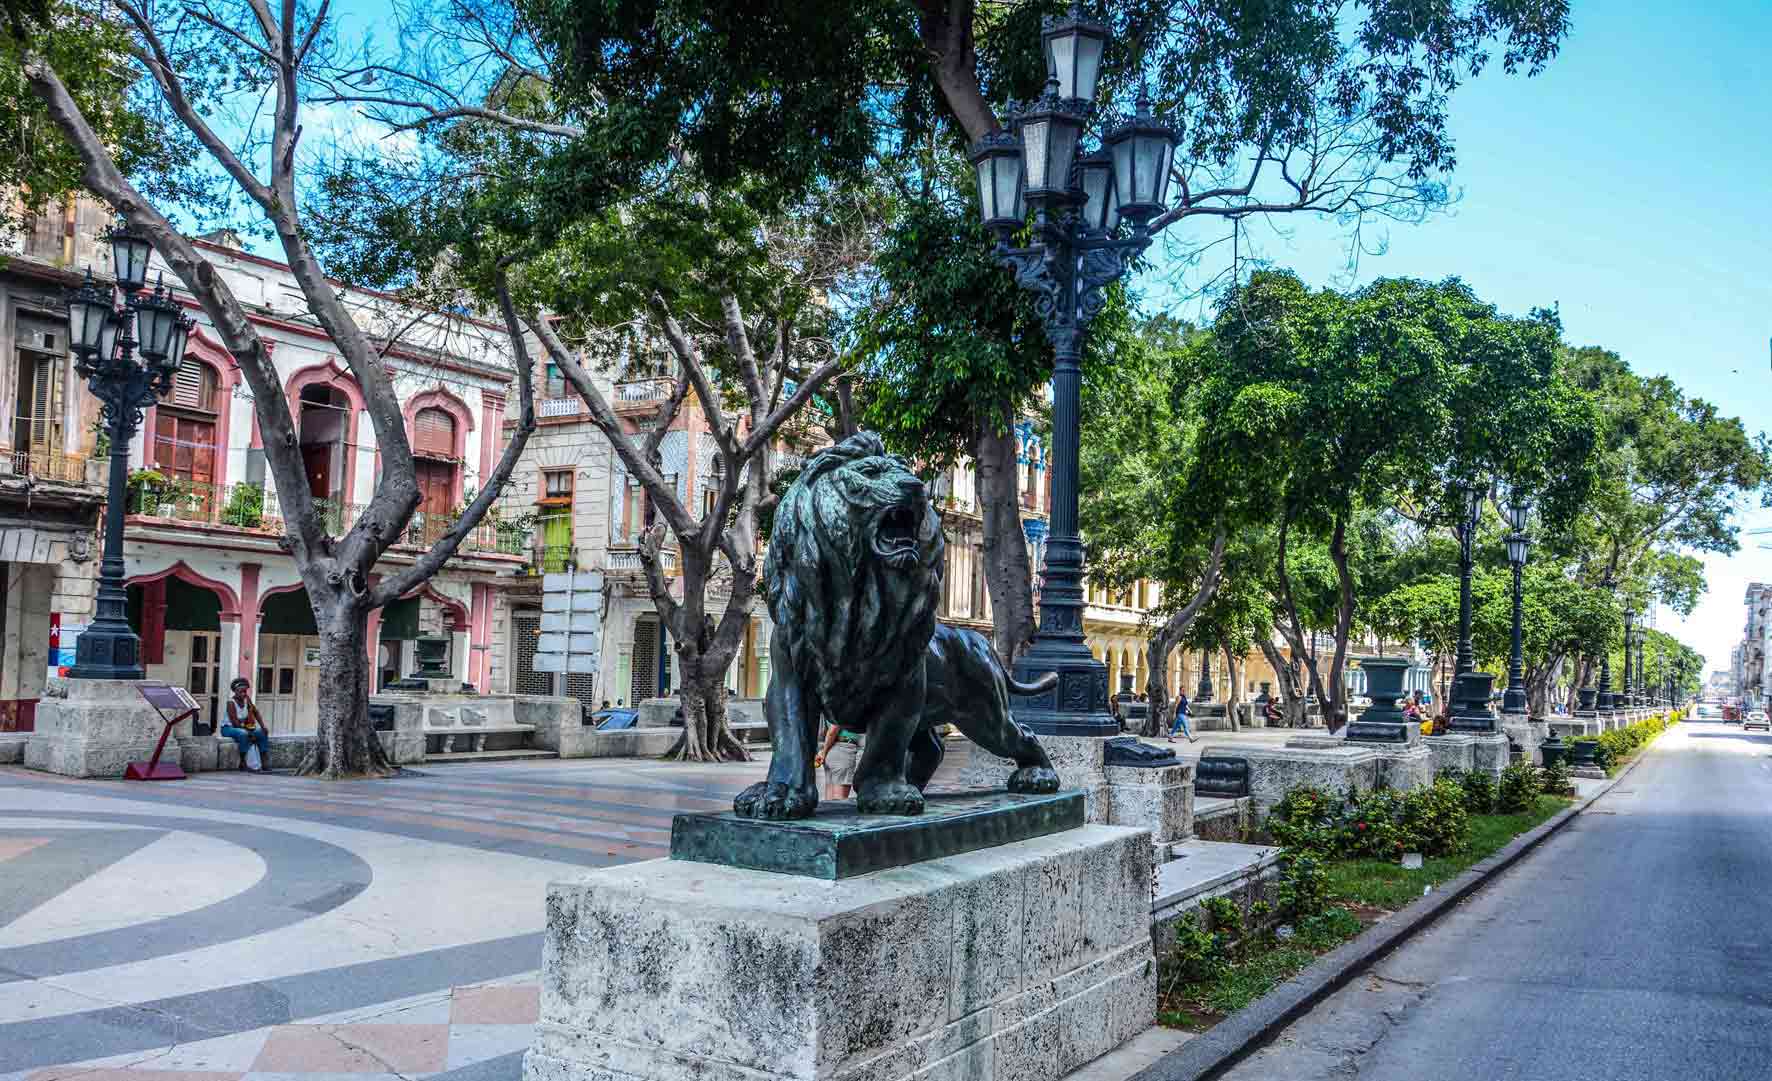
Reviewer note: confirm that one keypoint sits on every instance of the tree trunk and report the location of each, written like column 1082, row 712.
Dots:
column 1156, row 684
column 1290, row 700
column 345, row 745
column 1007, row 572
column 706, row 737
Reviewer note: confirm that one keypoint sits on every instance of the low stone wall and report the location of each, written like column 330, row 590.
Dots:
column 205, row 754
column 1249, row 875
column 12, row 747
column 628, row 743
column 559, row 723
column 1222, row 819
column 660, row 712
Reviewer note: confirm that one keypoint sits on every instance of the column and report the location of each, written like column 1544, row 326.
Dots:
column 247, row 634
column 230, row 650
column 458, row 653
column 480, row 645
column 153, row 630
column 372, row 633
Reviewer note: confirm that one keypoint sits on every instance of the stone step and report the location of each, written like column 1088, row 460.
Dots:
column 516, row 755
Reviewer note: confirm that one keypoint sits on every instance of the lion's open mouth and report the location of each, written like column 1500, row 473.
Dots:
column 895, row 538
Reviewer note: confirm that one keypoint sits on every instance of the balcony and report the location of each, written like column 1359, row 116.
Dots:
column 641, row 395
column 557, row 409
column 43, row 465
column 627, row 561
column 249, row 508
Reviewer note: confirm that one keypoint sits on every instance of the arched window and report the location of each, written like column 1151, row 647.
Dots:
column 184, row 437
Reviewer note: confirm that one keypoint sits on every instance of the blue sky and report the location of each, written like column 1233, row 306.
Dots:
column 1626, row 186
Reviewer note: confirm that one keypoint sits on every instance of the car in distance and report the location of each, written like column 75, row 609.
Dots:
column 1756, row 719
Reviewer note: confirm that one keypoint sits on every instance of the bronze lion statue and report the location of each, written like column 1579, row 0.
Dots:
column 854, row 573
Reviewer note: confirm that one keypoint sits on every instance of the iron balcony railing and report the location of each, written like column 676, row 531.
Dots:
column 249, row 507
column 41, row 464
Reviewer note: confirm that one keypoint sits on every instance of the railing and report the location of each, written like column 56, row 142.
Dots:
column 249, row 507
column 44, row 465
column 627, row 561
column 643, row 391
column 560, row 407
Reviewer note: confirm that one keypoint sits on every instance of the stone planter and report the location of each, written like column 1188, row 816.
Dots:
column 1584, row 752
column 1553, row 750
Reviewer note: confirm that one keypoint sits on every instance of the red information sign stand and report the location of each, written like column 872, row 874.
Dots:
column 163, row 697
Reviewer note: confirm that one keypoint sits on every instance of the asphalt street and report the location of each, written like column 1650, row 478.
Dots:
column 1634, row 944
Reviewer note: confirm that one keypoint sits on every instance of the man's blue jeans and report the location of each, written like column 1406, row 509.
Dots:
column 245, row 737
column 1180, row 725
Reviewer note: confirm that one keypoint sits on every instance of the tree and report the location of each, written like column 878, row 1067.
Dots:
column 1287, row 109
column 1380, row 398
column 679, row 210
column 275, row 47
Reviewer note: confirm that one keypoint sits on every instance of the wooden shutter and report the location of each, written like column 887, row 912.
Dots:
column 433, row 433
column 193, row 387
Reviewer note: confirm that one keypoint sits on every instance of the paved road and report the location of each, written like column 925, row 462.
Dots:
column 1635, row 944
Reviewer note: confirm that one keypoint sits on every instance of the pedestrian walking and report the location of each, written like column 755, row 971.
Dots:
column 1180, row 725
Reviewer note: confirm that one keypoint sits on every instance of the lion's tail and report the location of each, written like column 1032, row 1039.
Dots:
column 1044, row 683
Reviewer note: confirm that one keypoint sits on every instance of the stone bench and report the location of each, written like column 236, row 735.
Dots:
column 470, row 722
column 205, row 754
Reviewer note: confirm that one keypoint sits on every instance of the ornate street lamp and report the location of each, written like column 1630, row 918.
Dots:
column 1203, row 692
column 1090, row 220
column 1630, row 690
column 105, row 343
column 1518, row 544
column 1470, row 689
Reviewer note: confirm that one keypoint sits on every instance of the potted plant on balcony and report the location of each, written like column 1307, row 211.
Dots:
column 246, row 506
column 147, row 488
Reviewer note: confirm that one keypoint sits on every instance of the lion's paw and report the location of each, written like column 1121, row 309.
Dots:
column 1037, row 780
column 890, row 798
column 768, row 799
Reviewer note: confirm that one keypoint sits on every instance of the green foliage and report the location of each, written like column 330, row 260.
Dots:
column 1304, row 887
column 1478, row 788
column 1197, row 955
column 1379, row 824
column 246, row 506
column 1555, row 780
column 1519, row 787
column 1434, row 819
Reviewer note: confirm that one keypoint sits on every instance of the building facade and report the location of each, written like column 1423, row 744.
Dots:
column 211, row 591
column 51, row 488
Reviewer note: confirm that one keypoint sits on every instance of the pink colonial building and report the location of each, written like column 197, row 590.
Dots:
column 211, row 590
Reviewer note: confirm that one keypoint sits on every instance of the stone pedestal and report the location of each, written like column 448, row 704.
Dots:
column 1079, row 761
column 1526, row 733
column 1490, row 754
column 1159, row 799
column 1210, row 717
column 1026, row 960
column 1454, row 750
column 1334, row 766
column 94, row 728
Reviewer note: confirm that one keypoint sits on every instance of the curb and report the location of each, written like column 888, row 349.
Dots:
column 1237, row 1036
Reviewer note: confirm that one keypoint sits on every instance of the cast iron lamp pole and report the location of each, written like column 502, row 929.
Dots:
column 1467, row 531
column 1079, row 203
column 105, row 341
column 1518, row 544
column 1630, row 618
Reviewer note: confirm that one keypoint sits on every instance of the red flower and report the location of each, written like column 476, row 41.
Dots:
column 1362, row 825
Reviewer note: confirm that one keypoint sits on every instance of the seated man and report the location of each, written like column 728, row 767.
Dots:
column 245, row 727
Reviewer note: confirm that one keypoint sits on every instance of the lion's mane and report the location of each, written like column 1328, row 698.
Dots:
column 850, row 622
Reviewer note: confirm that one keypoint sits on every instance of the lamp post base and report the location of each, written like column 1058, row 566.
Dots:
column 108, row 649
column 1078, row 705
column 1470, row 703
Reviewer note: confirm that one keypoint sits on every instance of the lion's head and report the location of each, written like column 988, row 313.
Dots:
column 854, row 568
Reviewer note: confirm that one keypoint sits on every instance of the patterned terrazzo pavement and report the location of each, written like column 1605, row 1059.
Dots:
column 234, row 927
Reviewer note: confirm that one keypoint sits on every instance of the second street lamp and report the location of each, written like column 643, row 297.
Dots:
column 1518, row 544
column 1470, row 710
column 1081, row 204
column 106, row 345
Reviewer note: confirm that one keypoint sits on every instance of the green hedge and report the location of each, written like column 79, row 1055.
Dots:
column 1381, row 824
column 1621, row 742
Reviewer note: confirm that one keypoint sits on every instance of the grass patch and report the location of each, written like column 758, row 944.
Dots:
column 1387, row 885
column 1361, row 892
